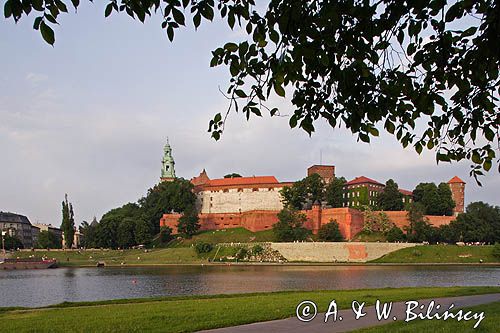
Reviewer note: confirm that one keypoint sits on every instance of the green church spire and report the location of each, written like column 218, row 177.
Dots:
column 167, row 170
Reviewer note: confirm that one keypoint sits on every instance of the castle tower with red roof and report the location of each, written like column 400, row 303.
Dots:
column 457, row 187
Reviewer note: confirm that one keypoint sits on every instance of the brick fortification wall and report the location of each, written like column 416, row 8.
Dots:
column 400, row 219
column 350, row 220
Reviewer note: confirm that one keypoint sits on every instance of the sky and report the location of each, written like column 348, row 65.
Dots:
column 89, row 117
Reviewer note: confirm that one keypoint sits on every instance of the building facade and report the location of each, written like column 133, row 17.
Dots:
column 457, row 187
column 18, row 226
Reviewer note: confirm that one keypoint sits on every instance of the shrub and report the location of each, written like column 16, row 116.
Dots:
column 203, row 247
column 496, row 250
column 241, row 253
column 290, row 226
column 257, row 250
column 395, row 235
column 330, row 232
column 165, row 234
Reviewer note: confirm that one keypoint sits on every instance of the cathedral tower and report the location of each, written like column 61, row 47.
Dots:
column 167, row 170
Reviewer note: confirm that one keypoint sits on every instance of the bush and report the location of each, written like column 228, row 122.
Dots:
column 395, row 235
column 290, row 226
column 330, row 232
column 257, row 250
column 165, row 234
column 242, row 253
column 496, row 250
column 203, row 247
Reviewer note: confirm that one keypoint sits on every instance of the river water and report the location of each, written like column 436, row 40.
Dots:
column 51, row 286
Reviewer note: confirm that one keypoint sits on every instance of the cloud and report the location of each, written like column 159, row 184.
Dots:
column 35, row 78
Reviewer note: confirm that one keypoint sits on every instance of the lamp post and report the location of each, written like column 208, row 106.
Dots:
column 3, row 243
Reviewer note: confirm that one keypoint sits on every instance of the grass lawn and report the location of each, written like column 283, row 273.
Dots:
column 491, row 323
column 188, row 314
column 231, row 235
column 440, row 254
column 116, row 257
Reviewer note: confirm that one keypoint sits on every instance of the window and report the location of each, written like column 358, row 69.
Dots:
column 240, row 190
column 225, row 191
column 271, row 189
column 255, row 190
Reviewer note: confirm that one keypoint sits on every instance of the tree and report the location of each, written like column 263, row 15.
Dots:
column 330, row 232
column 48, row 240
column 303, row 193
column 419, row 228
column 375, row 221
column 166, row 197
column 141, row 232
column 188, row 223
column 89, row 232
column 12, row 242
column 395, row 235
column 335, row 192
column 435, row 200
column 165, row 234
column 68, row 222
column 480, row 223
column 390, row 198
column 232, row 175
column 361, row 64
column 290, row 226
column 125, row 233
column 107, row 229
column 445, row 200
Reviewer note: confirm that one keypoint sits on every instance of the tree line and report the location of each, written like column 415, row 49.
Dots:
column 138, row 223
column 435, row 200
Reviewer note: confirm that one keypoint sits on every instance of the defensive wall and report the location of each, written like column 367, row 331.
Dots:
column 351, row 221
column 336, row 252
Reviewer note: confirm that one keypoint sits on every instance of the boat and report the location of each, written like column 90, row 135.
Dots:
column 28, row 263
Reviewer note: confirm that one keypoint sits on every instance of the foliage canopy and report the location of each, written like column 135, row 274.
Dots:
column 366, row 65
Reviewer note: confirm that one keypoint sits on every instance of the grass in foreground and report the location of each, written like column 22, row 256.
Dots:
column 491, row 323
column 202, row 312
column 440, row 254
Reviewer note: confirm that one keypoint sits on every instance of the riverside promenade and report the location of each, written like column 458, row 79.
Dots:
column 349, row 322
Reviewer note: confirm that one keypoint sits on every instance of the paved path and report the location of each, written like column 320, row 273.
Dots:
column 349, row 323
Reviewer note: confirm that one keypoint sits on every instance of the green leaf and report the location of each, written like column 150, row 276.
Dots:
column 418, row 148
column 170, row 33
column 231, row 47
column 62, row 6
column 197, row 20
column 108, row 10
column 178, row 16
column 487, row 165
column 36, row 23
column 373, row 131
column 293, row 121
column 476, row 158
column 7, row 11
column 47, row 33
column 240, row 93
column 279, row 90
column 217, row 118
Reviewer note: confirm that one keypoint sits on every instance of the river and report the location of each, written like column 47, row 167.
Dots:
column 44, row 287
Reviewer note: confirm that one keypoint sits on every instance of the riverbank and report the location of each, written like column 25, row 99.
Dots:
column 188, row 314
column 419, row 255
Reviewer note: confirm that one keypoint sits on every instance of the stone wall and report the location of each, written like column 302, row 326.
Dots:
column 336, row 252
column 235, row 200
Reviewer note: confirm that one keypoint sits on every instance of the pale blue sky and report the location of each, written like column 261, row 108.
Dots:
column 89, row 117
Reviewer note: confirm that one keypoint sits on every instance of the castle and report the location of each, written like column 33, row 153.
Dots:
column 253, row 202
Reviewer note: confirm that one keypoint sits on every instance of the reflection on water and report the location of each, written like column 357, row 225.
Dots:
column 44, row 287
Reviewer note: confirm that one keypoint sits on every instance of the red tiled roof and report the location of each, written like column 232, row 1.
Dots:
column 405, row 192
column 242, row 181
column 363, row 180
column 455, row 180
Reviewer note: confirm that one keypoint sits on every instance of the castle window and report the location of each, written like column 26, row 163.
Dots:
column 240, row 190
column 225, row 191
column 270, row 189
column 255, row 190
